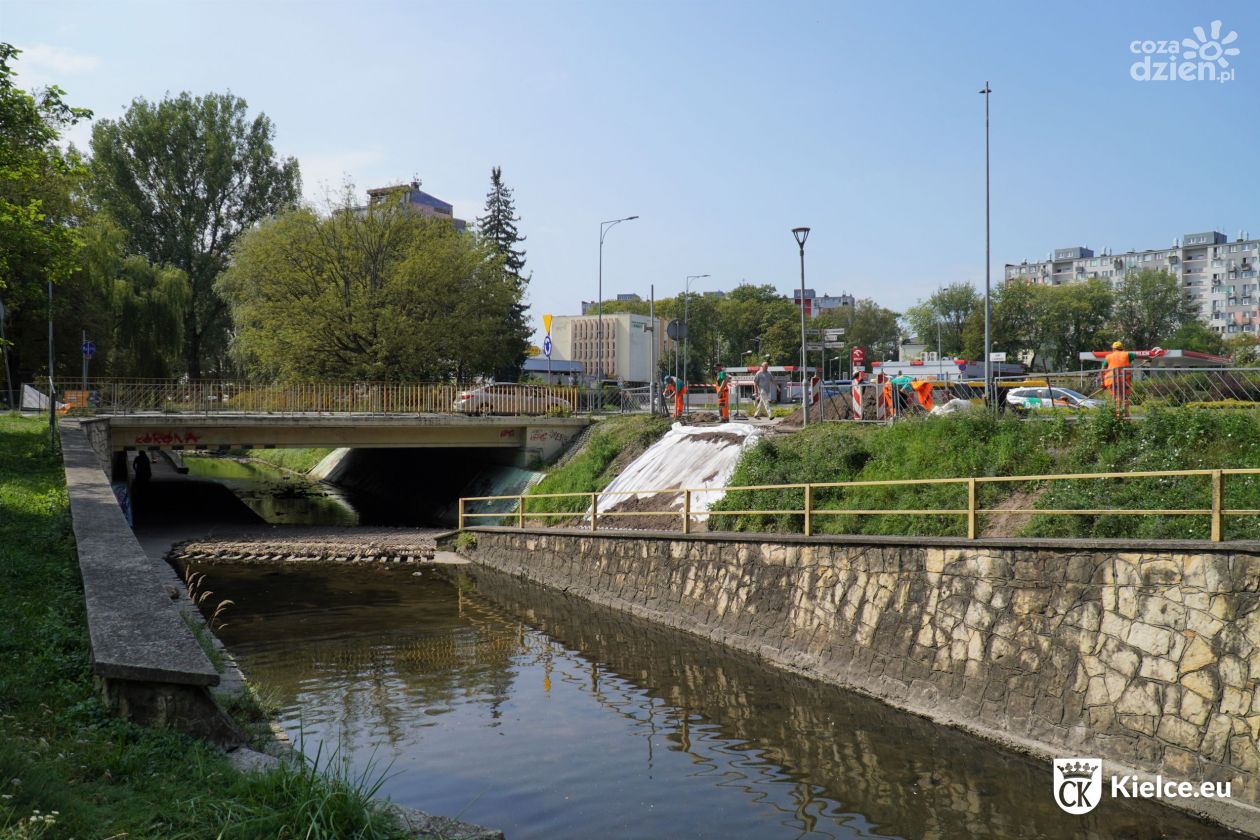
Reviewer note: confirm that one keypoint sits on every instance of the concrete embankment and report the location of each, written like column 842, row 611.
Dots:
column 1146, row 657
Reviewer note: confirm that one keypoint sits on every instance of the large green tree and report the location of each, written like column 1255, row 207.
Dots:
column 185, row 177
column 1150, row 307
column 39, row 210
column 498, row 227
column 381, row 295
column 948, row 309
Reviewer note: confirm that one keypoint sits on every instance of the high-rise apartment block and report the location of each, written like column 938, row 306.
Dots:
column 1218, row 275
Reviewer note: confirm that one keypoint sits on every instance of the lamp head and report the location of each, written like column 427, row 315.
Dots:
column 801, row 234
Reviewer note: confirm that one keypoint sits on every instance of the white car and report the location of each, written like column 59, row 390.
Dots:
column 509, row 398
column 1050, row 397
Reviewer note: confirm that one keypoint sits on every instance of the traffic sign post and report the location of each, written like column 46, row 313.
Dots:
column 547, row 345
column 89, row 350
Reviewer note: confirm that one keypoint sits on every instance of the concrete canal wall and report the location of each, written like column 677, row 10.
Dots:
column 1148, row 658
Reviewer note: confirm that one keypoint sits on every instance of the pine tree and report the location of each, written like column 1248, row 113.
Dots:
column 498, row 227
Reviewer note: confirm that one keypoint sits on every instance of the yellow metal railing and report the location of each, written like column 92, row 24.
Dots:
column 591, row 516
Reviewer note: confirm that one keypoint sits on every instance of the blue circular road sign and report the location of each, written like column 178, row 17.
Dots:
column 89, row 348
column 547, row 346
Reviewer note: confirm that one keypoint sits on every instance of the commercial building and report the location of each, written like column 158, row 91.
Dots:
column 816, row 304
column 417, row 201
column 627, row 344
column 1217, row 274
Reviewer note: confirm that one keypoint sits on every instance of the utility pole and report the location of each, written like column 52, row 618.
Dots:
column 52, row 390
column 604, row 227
column 652, row 325
column 8, row 372
column 989, row 400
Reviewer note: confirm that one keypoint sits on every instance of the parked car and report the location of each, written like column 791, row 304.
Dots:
column 1051, row 397
column 509, row 398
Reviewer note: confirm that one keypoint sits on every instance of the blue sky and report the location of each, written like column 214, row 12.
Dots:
column 723, row 125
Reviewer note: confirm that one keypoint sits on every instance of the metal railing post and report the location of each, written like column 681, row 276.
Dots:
column 462, row 502
column 971, row 508
column 1218, row 505
column 809, row 510
column 686, row 512
column 520, row 511
column 594, row 511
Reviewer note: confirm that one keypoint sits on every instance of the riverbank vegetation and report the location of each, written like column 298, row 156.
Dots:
column 982, row 445
column 84, row 773
column 293, row 460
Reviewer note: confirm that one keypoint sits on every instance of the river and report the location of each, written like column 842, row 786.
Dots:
column 479, row 696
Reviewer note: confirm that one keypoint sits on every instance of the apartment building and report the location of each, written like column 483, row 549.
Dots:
column 1220, row 276
column 417, row 201
column 627, row 344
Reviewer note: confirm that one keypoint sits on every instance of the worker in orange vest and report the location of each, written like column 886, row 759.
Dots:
column 1117, row 375
column 723, row 387
column 674, row 388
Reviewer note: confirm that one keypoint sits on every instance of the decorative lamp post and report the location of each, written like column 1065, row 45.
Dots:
column 989, row 400
column 801, row 234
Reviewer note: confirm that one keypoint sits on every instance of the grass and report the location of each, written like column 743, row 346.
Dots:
column 294, row 460
column 612, row 444
column 60, row 749
column 981, row 445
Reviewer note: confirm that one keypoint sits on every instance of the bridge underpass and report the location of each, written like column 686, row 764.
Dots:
column 412, row 465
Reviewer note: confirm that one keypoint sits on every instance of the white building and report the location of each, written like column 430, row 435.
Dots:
column 627, row 344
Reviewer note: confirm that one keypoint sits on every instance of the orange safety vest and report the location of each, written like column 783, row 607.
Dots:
column 1116, row 360
column 923, row 388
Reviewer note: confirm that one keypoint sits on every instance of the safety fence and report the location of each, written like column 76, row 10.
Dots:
column 821, row 500
column 137, row 396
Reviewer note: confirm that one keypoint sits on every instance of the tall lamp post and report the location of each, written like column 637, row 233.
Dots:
column 801, row 234
column 988, row 369
column 604, row 227
column 686, row 324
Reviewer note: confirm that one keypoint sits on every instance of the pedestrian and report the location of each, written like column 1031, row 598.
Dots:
column 763, row 385
column 143, row 468
column 723, row 387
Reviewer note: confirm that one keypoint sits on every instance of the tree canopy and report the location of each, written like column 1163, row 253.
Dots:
column 184, row 178
column 380, row 294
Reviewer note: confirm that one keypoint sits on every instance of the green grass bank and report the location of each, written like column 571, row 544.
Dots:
column 613, row 444
column 294, row 460
column 982, row 445
column 82, row 773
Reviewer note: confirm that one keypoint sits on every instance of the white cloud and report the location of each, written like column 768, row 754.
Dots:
column 41, row 65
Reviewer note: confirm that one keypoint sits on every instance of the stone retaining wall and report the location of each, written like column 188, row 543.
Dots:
column 1147, row 658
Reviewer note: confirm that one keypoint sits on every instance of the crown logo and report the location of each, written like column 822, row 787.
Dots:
column 1078, row 770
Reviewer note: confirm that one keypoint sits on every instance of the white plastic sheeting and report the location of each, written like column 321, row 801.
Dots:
column 33, row 400
column 687, row 457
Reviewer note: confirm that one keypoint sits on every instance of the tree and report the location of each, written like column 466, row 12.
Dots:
column 1243, row 348
column 380, row 295
column 871, row 327
column 949, row 308
column 1198, row 336
column 185, row 177
column 1149, row 308
column 39, row 213
column 498, row 227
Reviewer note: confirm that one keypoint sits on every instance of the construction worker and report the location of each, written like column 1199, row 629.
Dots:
column 763, row 385
column 723, row 387
column 674, row 388
column 1117, row 375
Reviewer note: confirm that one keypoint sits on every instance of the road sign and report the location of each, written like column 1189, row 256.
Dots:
column 676, row 330
column 997, row 357
column 814, row 347
column 858, row 355
column 547, row 324
column 813, row 333
column 833, row 334
column 89, row 349
column 547, row 346
column 833, row 345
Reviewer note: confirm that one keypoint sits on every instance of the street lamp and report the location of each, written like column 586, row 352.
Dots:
column 988, row 371
column 604, row 227
column 686, row 330
column 801, row 234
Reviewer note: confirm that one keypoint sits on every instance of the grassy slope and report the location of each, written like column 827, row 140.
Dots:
column 979, row 445
column 296, row 460
column 104, row 776
column 614, row 443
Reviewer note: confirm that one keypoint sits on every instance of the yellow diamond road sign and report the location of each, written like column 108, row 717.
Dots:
column 547, row 324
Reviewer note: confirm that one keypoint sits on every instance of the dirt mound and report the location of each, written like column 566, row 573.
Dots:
column 834, row 408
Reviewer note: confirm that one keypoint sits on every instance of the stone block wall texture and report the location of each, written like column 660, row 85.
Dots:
column 1149, row 659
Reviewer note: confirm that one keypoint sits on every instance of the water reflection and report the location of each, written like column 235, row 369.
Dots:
column 548, row 717
column 275, row 496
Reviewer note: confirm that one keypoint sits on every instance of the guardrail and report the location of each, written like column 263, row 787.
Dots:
column 135, row 396
column 591, row 516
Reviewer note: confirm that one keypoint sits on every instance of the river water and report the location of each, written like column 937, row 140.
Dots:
column 479, row 696
column 511, row 706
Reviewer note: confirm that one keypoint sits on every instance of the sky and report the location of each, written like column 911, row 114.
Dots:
column 723, row 125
